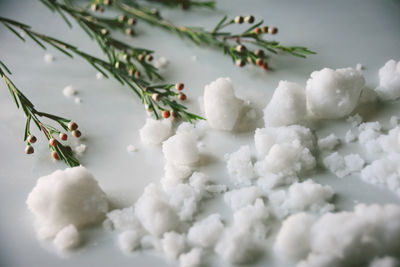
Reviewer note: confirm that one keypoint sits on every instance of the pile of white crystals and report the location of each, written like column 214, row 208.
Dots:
column 273, row 200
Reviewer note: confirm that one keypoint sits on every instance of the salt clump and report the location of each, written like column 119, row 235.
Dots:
column 384, row 262
column 69, row 91
column 161, row 62
column 333, row 94
column 389, row 81
column 175, row 174
column 265, row 138
column 287, row 105
column 342, row 239
column 129, row 240
column 48, row 58
column 242, row 197
column 221, row 106
column 173, row 244
column 205, row 233
column 329, row 142
column 304, row 196
column 239, row 165
column 65, row 197
column 67, row 238
column 181, row 149
column 99, row 76
column 155, row 131
column 191, row 259
column 343, row 166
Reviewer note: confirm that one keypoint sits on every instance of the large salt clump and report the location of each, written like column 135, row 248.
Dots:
column 221, row 106
column 239, row 165
column 333, row 94
column 342, row 239
column 304, row 196
column 205, row 233
column 65, row 197
column 266, row 137
column 181, row 149
column 389, row 81
column 155, row 131
column 242, row 197
column 287, row 105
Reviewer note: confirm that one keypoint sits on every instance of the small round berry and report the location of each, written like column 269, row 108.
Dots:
column 53, row 142
column 240, row 62
column 129, row 31
column 265, row 29
column 101, row 10
column 137, row 74
column 239, row 20
column 273, row 30
column 240, row 48
column 166, row 114
column 149, row 58
column 29, row 149
column 259, row 62
column 63, row 136
column 257, row 30
column 32, row 139
column 131, row 71
column 141, row 57
column 104, row 31
column 155, row 96
column 95, row 7
column 249, row 60
column 249, row 19
column 182, row 96
column 72, row 125
column 54, row 155
column 179, row 86
column 259, row 53
column 121, row 18
column 76, row 133
column 265, row 66
column 131, row 21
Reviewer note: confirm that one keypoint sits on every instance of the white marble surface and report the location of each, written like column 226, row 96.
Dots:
column 343, row 33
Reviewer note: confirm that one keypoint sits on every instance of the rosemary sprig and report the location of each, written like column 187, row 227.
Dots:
column 157, row 99
column 59, row 151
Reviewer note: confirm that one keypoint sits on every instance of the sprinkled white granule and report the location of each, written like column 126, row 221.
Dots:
column 69, row 91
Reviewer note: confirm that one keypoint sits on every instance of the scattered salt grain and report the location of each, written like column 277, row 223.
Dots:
column 359, row 67
column 99, row 76
column 173, row 244
column 343, row 166
column 131, row 148
column 161, row 62
column 77, row 100
column 155, row 131
column 80, row 149
column 239, row 198
column 181, row 149
column 69, row 91
column 67, row 238
column 205, row 233
column 49, row 58
column 350, row 136
column 265, row 138
column 355, row 120
column 287, row 105
column 129, row 240
column 70, row 196
column 191, row 259
column 389, row 81
column 193, row 58
column 329, row 142
column 221, row 106
column 239, row 165
column 333, row 94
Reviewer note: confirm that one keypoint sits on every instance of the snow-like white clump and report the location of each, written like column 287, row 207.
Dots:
column 343, row 166
column 181, row 149
column 355, row 120
column 69, row 91
column 333, row 94
column 221, row 106
column 99, row 76
column 131, row 148
column 124, row 219
column 391, row 142
column 154, row 212
column 245, row 239
column 129, row 240
column 173, row 244
column 70, row 196
column 359, row 67
column 384, row 172
column 239, row 165
column 49, row 58
column 389, row 81
column 161, row 62
column 329, row 142
column 192, row 258
column 271, row 180
column 287, row 105
column 384, row 262
column 205, row 233
column 80, row 149
column 77, row 100
column 293, row 239
column 196, row 129
column 67, row 238
column 265, row 138
column 154, row 132
column 175, row 174
column 286, row 160
column 350, row 136
column 369, row 131
column 304, row 196
column 239, row 198
column 341, row 239
column 184, row 199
